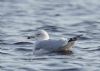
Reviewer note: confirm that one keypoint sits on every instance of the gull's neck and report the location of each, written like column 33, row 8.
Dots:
column 45, row 37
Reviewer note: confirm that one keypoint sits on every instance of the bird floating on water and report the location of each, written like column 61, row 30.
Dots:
column 43, row 41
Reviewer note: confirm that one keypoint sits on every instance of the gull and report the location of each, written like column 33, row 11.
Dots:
column 43, row 41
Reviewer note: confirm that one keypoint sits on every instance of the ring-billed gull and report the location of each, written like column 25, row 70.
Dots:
column 44, row 42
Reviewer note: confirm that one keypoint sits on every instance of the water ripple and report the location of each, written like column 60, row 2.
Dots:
column 23, row 49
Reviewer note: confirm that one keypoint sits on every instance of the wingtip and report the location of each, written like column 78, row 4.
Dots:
column 75, row 38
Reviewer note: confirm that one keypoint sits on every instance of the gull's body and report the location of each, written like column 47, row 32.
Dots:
column 50, row 44
column 44, row 42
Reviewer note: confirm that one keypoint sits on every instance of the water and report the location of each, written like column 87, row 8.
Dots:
column 61, row 18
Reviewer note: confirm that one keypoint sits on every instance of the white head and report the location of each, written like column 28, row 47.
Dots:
column 40, row 35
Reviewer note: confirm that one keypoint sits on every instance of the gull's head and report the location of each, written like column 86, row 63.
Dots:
column 40, row 35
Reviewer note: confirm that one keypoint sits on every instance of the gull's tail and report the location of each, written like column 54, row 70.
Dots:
column 71, row 42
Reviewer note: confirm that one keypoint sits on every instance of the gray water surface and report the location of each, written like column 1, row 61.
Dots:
column 61, row 18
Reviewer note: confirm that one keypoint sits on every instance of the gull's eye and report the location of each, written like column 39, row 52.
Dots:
column 38, row 34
